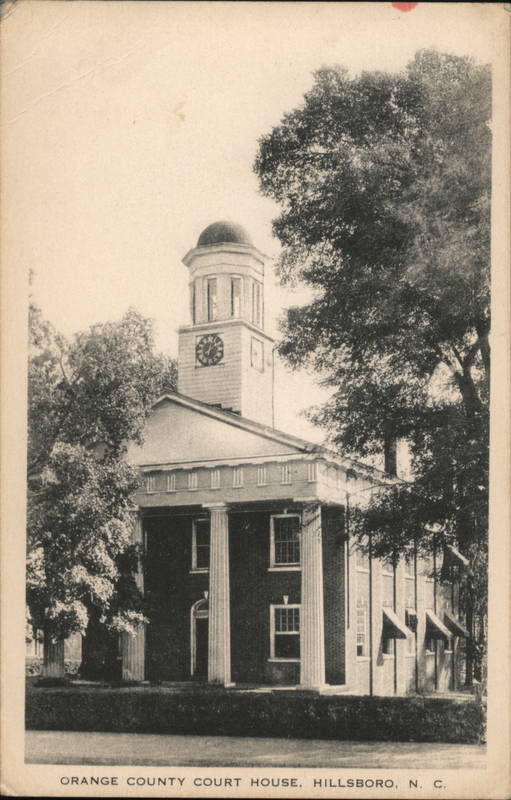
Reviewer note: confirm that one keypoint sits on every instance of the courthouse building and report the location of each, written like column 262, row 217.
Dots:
column 250, row 574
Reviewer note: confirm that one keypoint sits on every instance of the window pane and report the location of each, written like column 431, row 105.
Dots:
column 287, row 620
column 211, row 288
column 202, row 544
column 287, row 646
column 361, row 629
column 202, row 559
column 287, row 542
column 194, row 302
column 235, row 297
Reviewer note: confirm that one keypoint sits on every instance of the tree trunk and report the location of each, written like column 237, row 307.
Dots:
column 53, row 658
column 471, row 399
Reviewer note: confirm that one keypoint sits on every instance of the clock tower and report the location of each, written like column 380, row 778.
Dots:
column 225, row 357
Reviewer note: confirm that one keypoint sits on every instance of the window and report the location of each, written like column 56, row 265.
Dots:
column 430, row 644
column 311, row 471
column 411, row 619
column 200, row 544
column 192, row 480
column 257, row 299
column 285, row 632
column 285, row 540
column 211, row 298
column 285, row 473
column 362, row 639
column 150, row 483
column 215, row 479
column 235, row 297
column 171, row 482
column 388, row 646
column 411, row 623
column 194, row 301
column 261, row 476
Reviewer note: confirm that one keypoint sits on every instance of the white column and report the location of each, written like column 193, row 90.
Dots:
column 133, row 644
column 219, row 644
column 312, row 618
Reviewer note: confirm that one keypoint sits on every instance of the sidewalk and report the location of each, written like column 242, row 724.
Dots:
column 108, row 749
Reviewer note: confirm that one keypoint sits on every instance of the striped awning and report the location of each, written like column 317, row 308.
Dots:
column 455, row 626
column 436, row 627
column 393, row 627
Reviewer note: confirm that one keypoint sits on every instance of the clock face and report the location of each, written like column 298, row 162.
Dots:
column 209, row 350
column 256, row 353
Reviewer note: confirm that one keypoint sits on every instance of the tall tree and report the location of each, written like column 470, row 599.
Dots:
column 87, row 399
column 384, row 185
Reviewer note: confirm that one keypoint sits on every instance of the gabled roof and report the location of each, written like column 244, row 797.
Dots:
column 273, row 435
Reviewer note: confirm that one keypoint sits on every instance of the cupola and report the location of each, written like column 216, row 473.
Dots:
column 225, row 358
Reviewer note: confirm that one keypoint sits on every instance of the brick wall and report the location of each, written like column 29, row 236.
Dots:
column 253, row 589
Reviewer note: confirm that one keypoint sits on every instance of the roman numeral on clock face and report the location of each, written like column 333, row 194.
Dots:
column 209, row 350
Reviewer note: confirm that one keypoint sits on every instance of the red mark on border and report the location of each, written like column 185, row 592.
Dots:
column 404, row 6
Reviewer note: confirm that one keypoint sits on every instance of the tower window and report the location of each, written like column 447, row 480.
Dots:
column 235, row 297
column 194, row 301
column 211, row 298
column 257, row 304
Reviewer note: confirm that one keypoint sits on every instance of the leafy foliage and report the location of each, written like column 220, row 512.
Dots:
column 384, row 185
column 87, row 398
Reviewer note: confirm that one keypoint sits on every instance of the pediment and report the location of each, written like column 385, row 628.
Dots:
column 180, row 430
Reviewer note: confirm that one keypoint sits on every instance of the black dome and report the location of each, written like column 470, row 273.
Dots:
column 223, row 232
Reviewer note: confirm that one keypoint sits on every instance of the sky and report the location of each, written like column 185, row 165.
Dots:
column 132, row 126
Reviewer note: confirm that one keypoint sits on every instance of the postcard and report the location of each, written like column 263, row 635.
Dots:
column 255, row 476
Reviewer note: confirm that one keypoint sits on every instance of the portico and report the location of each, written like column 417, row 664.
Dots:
column 277, row 633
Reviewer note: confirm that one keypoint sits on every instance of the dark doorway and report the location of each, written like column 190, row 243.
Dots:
column 201, row 651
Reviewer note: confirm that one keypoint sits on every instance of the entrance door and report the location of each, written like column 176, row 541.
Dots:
column 201, row 651
column 199, row 640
